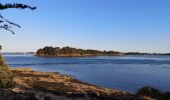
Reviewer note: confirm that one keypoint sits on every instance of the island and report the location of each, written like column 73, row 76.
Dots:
column 77, row 52
column 73, row 52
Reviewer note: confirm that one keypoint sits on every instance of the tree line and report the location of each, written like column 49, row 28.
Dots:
column 70, row 51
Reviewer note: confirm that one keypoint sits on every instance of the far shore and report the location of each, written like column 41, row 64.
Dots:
column 85, row 55
column 67, row 51
column 76, row 55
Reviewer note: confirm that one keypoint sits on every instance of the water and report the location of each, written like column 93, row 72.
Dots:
column 127, row 73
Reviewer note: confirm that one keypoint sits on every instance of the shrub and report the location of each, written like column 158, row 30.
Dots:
column 5, row 74
column 166, row 96
column 2, row 62
column 149, row 91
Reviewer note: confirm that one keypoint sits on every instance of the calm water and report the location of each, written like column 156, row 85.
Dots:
column 122, row 72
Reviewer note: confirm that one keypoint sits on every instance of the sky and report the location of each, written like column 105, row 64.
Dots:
column 120, row 25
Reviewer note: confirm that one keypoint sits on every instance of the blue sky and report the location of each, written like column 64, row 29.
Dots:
column 122, row 25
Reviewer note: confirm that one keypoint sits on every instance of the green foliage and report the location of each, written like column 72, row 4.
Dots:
column 5, row 74
column 51, row 51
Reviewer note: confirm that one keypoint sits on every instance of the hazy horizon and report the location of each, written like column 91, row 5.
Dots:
column 2, row 51
column 119, row 25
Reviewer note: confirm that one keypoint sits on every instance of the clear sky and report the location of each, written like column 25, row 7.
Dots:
column 122, row 25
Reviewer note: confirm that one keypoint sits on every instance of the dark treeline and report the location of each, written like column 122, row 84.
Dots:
column 69, row 51
column 165, row 54
column 138, row 53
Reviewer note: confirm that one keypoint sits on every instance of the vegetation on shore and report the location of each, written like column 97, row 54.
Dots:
column 5, row 74
column 70, row 51
column 76, row 52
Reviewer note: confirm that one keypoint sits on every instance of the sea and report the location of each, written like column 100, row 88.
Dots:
column 127, row 73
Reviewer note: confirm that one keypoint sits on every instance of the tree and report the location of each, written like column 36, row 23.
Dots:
column 6, row 24
column 5, row 74
column 69, row 51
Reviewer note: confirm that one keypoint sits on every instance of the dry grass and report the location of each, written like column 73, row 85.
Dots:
column 28, row 80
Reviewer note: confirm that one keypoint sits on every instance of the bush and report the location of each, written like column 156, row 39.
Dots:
column 5, row 74
column 166, row 96
column 150, row 92
column 2, row 62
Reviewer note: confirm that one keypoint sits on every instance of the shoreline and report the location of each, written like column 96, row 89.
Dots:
column 57, row 84
column 74, row 55
column 36, row 85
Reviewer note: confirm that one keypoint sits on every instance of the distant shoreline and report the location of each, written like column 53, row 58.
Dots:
column 101, row 55
column 126, row 54
column 77, row 52
column 75, row 55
